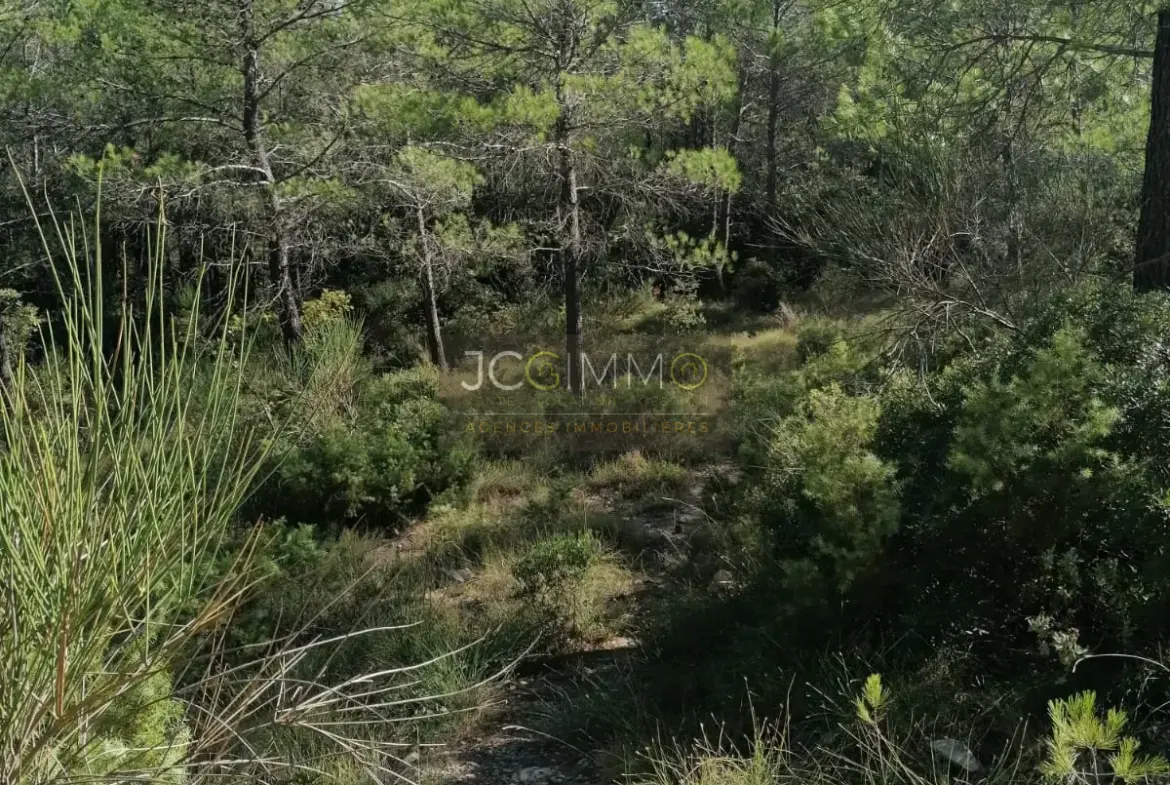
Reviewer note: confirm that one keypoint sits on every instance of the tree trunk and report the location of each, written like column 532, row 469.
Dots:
column 1015, row 230
column 5, row 366
column 733, row 151
column 569, row 220
column 571, row 263
column 279, row 253
column 773, row 108
column 434, row 329
column 280, row 270
column 1152, row 264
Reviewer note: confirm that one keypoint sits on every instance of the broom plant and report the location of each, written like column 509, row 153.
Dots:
column 123, row 464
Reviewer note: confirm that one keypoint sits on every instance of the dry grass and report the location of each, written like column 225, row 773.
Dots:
column 633, row 474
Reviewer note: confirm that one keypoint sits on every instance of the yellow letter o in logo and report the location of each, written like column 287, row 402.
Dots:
column 688, row 371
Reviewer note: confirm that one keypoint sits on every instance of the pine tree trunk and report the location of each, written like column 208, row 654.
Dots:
column 571, row 261
column 434, row 329
column 569, row 214
column 280, row 270
column 1152, row 263
column 5, row 366
column 770, row 150
column 773, row 110
column 279, row 252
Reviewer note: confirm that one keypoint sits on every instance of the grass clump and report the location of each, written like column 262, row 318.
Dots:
column 634, row 475
column 115, row 496
column 125, row 456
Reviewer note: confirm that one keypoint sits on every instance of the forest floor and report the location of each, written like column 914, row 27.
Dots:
column 657, row 534
column 656, row 508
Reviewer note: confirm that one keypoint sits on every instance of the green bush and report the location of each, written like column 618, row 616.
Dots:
column 566, row 582
column 380, row 457
column 1025, row 489
column 552, row 565
column 142, row 730
column 1050, row 415
column 761, row 400
column 816, row 338
column 1011, row 475
column 1081, row 743
column 758, row 286
column 828, row 499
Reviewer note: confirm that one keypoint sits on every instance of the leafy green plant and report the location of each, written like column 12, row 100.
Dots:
column 831, row 501
column 873, row 701
column 1084, row 747
column 20, row 320
column 552, row 565
column 566, row 582
column 817, row 338
column 1051, row 414
column 369, row 448
column 330, row 305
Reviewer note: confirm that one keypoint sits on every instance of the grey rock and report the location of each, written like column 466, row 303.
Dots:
column 460, row 576
column 535, row 775
column 722, row 579
column 957, row 753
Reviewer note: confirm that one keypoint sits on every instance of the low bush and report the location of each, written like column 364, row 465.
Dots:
column 370, row 448
column 567, row 582
column 816, row 338
column 839, row 500
column 1022, row 476
column 758, row 286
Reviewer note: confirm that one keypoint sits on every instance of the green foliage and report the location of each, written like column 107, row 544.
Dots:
column 20, row 320
column 1051, row 415
column 710, row 167
column 837, row 500
column 107, row 539
column 873, row 701
column 1077, row 731
column 329, row 306
column 553, row 565
column 142, row 730
column 816, row 339
column 565, row 581
column 387, row 452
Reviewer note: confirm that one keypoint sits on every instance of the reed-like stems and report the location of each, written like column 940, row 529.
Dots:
column 123, row 463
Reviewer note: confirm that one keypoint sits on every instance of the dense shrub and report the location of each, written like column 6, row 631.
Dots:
column 761, row 400
column 1024, row 476
column 142, row 730
column 837, row 499
column 364, row 447
column 566, row 582
column 817, row 338
column 758, row 286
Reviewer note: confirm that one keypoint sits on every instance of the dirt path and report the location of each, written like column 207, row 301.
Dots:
column 509, row 751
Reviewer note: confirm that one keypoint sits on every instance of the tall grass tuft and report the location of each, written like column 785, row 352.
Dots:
column 123, row 463
column 115, row 495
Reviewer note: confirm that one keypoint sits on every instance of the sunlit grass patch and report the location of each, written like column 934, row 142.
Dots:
column 635, row 475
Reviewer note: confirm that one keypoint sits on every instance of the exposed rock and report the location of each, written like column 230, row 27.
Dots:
column 460, row 576
column 722, row 579
column 957, row 753
column 536, row 775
